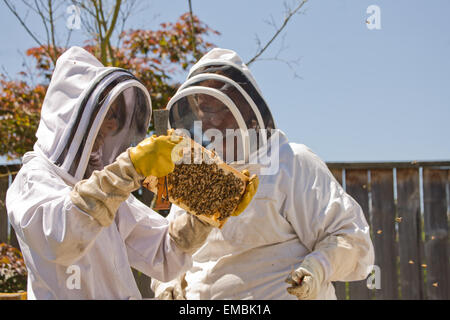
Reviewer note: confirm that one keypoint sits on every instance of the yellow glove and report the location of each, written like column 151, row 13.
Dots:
column 250, row 191
column 153, row 156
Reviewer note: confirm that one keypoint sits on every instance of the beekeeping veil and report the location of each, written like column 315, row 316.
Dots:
column 90, row 114
column 221, row 98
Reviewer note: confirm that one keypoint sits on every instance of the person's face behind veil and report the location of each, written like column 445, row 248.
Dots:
column 111, row 125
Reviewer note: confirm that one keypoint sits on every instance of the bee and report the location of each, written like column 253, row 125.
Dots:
column 205, row 189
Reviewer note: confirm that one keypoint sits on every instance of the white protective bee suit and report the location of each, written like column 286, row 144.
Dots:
column 68, row 253
column 299, row 212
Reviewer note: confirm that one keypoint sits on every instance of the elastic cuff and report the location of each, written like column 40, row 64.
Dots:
column 318, row 257
column 100, row 213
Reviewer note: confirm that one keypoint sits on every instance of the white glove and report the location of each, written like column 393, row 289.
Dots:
column 172, row 290
column 306, row 280
column 189, row 232
column 101, row 195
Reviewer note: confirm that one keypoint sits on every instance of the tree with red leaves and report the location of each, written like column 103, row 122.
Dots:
column 153, row 56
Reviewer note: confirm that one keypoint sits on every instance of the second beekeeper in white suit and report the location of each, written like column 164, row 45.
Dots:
column 79, row 227
column 300, row 232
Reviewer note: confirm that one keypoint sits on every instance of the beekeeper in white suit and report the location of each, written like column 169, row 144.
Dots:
column 300, row 232
column 78, row 227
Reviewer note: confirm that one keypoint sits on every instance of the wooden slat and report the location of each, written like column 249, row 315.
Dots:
column 383, row 232
column 144, row 286
column 3, row 214
column 339, row 286
column 12, row 234
column 388, row 165
column 8, row 169
column 337, row 173
column 436, row 233
column 409, row 233
column 147, row 197
column 13, row 238
column 357, row 186
column 143, row 282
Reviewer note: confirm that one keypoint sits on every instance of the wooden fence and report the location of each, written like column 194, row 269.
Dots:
column 407, row 206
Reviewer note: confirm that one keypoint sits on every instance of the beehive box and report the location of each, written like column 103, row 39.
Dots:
column 202, row 184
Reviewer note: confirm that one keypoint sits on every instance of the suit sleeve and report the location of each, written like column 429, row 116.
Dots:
column 150, row 248
column 44, row 217
column 328, row 221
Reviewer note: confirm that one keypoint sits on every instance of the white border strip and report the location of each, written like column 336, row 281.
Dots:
column 116, row 91
column 225, row 100
column 66, row 133
column 209, row 76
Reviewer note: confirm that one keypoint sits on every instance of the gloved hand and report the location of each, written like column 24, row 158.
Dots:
column 306, row 280
column 189, row 232
column 250, row 191
column 101, row 195
column 153, row 156
column 172, row 290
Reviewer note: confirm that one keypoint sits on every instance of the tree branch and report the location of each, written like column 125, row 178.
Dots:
column 14, row 11
column 84, row 7
column 114, row 19
column 194, row 45
column 289, row 15
column 125, row 14
column 22, row 22
column 52, row 31
column 43, row 18
column 101, row 21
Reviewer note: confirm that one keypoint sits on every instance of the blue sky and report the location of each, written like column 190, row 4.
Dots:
column 364, row 95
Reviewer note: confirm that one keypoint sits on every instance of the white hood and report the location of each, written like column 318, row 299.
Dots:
column 219, row 56
column 222, row 81
column 77, row 82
